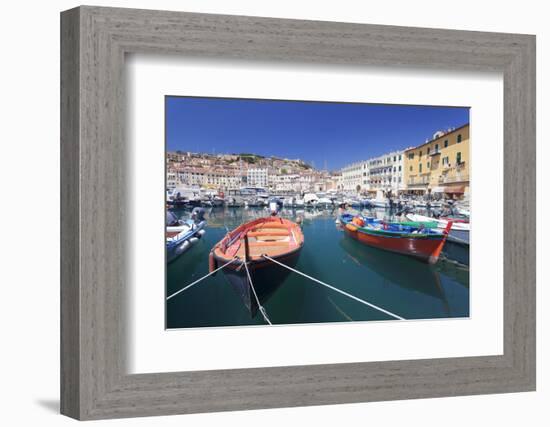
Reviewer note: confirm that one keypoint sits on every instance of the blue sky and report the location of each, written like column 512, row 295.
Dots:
column 320, row 133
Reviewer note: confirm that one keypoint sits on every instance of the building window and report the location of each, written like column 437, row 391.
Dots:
column 420, row 153
column 400, row 157
column 436, row 148
column 399, row 168
column 459, row 158
column 446, row 143
column 411, row 156
column 428, row 165
column 445, row 160
column 420, row 168
column 410, row 168
column 428, row 152
column 459, row 138
column 394, row 158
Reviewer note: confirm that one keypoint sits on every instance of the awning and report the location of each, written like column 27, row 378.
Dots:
column 455, row 189
column 438, row 190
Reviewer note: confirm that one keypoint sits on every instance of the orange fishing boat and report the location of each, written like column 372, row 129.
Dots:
column 273, row 236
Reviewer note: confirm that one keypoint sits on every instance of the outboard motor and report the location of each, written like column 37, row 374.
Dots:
column 197, row 214
column 171, row 219
column 275, row 206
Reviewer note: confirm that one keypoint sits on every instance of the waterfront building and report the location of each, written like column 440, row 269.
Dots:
column 378, row 173
column 386, row 173
column 171, row 180
column 285, row 183
column 332, row 182
column 257, row 177
column 440, row 165
column 355, row 177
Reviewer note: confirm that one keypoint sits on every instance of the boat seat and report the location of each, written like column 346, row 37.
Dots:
column 257, row 252
column 271, row 225
column 268, row 243
column 267, row 233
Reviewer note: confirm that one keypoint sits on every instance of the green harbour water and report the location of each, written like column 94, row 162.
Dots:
column 400, row 284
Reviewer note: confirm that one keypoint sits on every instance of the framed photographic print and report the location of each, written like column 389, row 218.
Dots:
column 261, row 213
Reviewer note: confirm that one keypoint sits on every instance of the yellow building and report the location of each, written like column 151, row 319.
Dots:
column 441, row 165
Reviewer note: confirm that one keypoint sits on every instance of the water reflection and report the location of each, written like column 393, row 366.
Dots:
column 399, row 270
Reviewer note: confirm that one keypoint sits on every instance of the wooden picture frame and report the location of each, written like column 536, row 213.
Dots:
column 94, row 382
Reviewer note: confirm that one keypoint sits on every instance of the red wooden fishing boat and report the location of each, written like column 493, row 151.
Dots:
column 419, row 242
column 276, row 237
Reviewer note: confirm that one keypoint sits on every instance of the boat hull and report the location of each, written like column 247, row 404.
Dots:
column 426, row 249
column 174, row 252
column 175, row 248
column 459, row 236
column 266, row 277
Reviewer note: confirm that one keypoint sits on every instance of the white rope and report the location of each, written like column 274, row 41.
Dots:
column 202, row 278
column 389, row 313
column 262, row 310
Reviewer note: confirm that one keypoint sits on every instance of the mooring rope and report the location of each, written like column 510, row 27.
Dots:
column 389, row 313
column 198, row 280
column 260, row 307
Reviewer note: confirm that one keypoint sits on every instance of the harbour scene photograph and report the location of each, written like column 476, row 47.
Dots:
column 282, row 212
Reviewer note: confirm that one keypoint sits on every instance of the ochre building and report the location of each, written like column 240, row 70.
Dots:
column 441, row 165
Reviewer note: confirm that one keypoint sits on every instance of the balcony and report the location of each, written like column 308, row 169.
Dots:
column 454, row 177
column 435, row 152
column 421, row 180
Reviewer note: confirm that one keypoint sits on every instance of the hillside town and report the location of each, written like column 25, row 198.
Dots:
column 438, row 166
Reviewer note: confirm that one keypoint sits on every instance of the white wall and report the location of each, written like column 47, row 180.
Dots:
column 29, row 267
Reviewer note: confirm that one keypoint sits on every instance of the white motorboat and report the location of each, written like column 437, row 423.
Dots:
column 460, row 230
column 311, row 199
column 181, row 235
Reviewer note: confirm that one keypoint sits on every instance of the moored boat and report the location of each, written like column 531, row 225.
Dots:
column 460, row 230
column 419, row 242
column 181, row 235
column 273, row 236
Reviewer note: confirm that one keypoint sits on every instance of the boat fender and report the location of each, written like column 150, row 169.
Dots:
column 358, row 221
column 200, row 233
column 212, row 263
column 351, row 227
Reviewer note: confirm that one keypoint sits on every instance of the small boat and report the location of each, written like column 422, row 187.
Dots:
column 273, row 236
column 311, row 200
column 378, row 203
column 181, row 235
column 460, row 230
column 325, row 202
column 463, row 211
column 298, row 203
column 419, row 242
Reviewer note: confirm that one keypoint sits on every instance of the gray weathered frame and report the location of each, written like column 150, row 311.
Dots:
column 94, row 41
